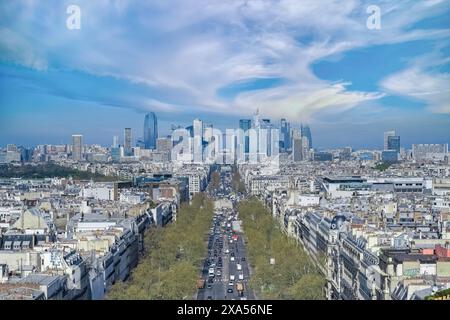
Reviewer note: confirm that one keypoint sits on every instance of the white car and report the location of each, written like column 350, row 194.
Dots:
column 231, row 283
column 232, row 259
column 227, row 251
column 241, row 276
column 231, row 277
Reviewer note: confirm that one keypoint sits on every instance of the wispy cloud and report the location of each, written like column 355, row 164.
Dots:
column 185, row 51
column 422, row 81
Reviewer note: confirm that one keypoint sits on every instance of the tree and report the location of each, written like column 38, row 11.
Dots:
column 173, row 256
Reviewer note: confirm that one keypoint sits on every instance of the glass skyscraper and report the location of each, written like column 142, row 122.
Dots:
column 285, row 129
column 150, row 130
column 393, row 143
column 306, row 132
column 245, row 125
column 77, row 147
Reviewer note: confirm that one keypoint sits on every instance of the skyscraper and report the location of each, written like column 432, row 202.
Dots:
column 127, row 141
column 150, row 130
column 115, row 142
column 393, row 143
column 297, row 146
column 245, row 125
column 306, row 132
column 387, row 134
column 77, row 147
column 285, row 136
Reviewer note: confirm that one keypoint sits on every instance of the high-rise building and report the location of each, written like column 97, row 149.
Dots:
column 390, row 156
column 116, row 153
column 77, row 147
column 387, row 134
column 127, row 142
column 245, row 125
column 285, row 129
column 150, row 130
column 115, row 142
column 306, row 132
column 297, row 146
column 393, row 143
column 198, row 140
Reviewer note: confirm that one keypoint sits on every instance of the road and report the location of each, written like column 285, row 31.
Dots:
column 226, row 254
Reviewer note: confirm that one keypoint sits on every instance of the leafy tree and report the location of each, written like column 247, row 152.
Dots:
column 173, row 256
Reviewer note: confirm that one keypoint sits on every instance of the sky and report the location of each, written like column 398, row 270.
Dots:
column 309, row 61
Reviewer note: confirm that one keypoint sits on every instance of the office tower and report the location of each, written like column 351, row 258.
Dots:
column 306, row 132
column 245, row 125
column 127, row 141
column 115, row 142
column 305, row 148
column 198, row 140
column 116, row 154
column 77, row 147
column 393, row 143
column 387, row 134
column 390, row 156
column 285, row 135
column 422, row 152
column 297, row 146
column 150, row 130
column 266, row 122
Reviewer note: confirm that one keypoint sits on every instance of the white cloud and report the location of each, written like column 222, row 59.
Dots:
column 186, row 50
column 433, row 88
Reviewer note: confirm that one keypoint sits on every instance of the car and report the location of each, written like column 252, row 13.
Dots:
column 241, row 276
column 219, row 273
column 232, row 259
column 243, row 259
column 232, row 254
column 231, row 277
column 230, row 290
column 231, row 283
column 209, row 286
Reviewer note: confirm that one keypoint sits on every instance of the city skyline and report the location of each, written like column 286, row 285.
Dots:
column 319, row 64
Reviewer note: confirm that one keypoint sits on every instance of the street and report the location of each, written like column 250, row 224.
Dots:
column 225, row 269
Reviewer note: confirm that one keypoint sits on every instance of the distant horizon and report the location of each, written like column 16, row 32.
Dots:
column 166, row 131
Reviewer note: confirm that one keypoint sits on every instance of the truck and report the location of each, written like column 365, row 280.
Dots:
column 200, row 283
column 240, row 288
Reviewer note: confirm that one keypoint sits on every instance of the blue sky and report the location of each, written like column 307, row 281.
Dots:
column 308, row 61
